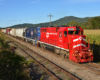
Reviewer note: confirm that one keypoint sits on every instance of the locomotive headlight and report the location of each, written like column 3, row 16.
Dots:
column 89, row 50
column 80, row 55
column 91, row 53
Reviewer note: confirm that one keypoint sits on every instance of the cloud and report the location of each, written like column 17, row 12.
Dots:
column 35, row 1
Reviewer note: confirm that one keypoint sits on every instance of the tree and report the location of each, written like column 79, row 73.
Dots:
column 94, row 23
column 73, row 23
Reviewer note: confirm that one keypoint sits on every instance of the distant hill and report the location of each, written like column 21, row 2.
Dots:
column 59, row 22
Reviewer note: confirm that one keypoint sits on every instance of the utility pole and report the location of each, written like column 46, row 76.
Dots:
column 50, row 18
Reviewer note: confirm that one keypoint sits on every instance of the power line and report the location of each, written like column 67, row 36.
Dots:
column 50, row 18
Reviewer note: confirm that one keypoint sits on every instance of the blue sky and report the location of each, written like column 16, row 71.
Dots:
column 14, row 12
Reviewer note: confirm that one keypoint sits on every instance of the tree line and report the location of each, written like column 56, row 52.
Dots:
column 92, row 23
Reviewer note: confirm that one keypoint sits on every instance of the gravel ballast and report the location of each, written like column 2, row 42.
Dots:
column 81, row 72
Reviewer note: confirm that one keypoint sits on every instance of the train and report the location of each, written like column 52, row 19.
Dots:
column 67, row 41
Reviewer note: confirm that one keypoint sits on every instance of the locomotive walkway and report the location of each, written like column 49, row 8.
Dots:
column 81, row 72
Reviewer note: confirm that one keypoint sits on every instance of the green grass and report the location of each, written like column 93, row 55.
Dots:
column 12, row 66
column 93, row 37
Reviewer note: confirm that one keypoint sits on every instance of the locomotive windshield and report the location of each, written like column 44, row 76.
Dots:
column 77, row 32
column 70, row 32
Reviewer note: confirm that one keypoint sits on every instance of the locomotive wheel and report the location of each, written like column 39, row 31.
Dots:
column 33, row 42
column 26, row 40
column 57, row 51
column 41, row 45
column 65, row 54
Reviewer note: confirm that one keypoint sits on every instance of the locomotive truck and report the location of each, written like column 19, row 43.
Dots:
column 69, row 42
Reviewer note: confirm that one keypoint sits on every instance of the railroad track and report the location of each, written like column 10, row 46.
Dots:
column 87, row 66
column 93, row 67
column 57, row 72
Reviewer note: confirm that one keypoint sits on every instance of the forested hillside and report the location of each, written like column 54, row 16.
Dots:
column 60, row 22
column 85, row 23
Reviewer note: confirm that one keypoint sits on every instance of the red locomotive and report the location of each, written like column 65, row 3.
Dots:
column 68, row 42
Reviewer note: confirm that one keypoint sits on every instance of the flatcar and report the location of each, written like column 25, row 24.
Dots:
column 69, row 42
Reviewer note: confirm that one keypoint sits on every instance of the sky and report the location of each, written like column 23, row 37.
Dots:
column 13, row 12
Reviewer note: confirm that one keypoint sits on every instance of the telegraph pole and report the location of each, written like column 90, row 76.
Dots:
column 50, row 18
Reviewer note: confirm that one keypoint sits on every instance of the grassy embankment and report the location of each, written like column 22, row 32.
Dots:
column 94, row 35
column 12, row 66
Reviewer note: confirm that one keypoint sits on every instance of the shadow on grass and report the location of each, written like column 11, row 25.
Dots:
column 11, row 67
column 96, row 52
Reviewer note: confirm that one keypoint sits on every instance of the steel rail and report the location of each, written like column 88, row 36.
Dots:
column 68, row 73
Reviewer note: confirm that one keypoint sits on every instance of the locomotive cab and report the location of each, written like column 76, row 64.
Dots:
column 69, row 42
column 72, row 38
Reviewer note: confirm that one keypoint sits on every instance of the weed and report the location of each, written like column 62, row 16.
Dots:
column 41, row 77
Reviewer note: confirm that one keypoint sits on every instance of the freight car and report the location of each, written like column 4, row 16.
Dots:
column 32, row 35
column 68, row 42
column 3, row 30
column 12, row 32
column 17, row 32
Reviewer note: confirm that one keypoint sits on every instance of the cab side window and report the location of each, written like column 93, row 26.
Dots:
column 81, row 33
column 65, row 33
column 60, row 34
